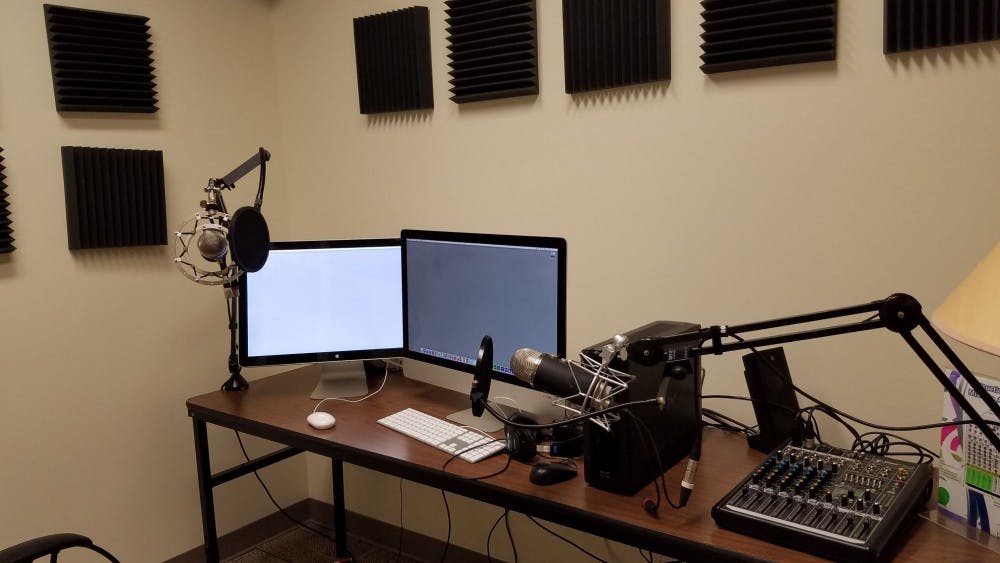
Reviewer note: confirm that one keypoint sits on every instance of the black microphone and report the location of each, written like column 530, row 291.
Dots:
column 560, row 377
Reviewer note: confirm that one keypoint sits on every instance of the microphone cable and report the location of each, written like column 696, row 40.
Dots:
column 649, row 443
column 500, row 416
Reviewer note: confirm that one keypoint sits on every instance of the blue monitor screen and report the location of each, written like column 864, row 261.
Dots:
column 316, row 301
column 460, row 287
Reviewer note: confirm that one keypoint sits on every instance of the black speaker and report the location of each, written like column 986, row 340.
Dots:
column 774, row 401
column 623, row 460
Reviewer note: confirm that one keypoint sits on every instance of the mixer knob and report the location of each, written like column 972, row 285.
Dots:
column 860, row 505
column 833, row 467
column 868, row 494
column 829, row 496
column 876, row 508
column 844, row 500
column 850, row 494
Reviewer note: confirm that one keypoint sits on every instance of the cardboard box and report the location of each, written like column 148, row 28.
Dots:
column 969, row 472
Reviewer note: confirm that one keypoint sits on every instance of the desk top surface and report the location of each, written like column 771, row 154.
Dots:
column 276, row 408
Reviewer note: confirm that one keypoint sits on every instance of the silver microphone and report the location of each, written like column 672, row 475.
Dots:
column 212, row 242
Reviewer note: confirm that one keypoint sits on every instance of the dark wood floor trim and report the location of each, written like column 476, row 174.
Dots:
column 244, row 538
column 417, row 546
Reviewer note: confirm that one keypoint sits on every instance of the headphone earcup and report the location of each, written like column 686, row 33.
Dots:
column 522, row 443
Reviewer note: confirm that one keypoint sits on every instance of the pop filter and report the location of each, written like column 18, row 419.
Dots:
column 482, row 377
column 249, row 239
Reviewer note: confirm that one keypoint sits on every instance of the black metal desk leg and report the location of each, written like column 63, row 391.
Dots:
column 339, row 511
column 205, row 491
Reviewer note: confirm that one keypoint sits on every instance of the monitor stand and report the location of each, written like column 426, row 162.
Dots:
column 341, row 380
column 486, row 423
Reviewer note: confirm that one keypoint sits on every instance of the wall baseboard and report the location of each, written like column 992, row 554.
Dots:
column 417, row 546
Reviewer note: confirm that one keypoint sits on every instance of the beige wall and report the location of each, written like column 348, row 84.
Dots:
column 100, row 348
column 715, row 200
column 726, row 199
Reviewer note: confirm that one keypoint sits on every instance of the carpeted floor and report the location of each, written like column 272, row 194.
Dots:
column 302, row 546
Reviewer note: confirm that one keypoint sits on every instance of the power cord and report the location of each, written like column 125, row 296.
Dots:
column 489, row 537
column 580, row 549
column 447, row 542
column 510, row 535
column 659, row 482
column 267, row 491
column 381, row 386
column 399, row 543
column 833, row 411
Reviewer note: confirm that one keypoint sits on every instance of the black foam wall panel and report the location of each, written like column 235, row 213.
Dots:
column 742, row 34
column 493, row 49
column 393, row 56
column 924, row 24
column 610, row 43
column 6, row 232
column 101, row 61
column 114, row 197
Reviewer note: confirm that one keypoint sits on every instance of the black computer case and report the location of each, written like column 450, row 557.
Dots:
column 622, row 461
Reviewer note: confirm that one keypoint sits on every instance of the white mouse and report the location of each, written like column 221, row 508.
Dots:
column 321, row 420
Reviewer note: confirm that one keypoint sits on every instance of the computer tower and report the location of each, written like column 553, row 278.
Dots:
column 622, row 460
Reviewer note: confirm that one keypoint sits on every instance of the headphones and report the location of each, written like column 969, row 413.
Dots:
column 523, row 444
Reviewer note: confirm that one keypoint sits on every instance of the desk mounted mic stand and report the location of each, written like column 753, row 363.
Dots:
column 899, row 313
column 246, row 250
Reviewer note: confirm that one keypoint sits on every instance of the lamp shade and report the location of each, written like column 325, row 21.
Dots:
column 971, row 313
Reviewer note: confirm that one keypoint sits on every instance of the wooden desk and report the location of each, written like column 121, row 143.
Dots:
column 275, row 408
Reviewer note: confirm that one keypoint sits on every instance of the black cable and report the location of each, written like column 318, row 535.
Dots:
column 510, row 536
column 659, row 465
column 447, row 542
column 724, row 422
column 832, row 409
column 580, row 549
column 880, row 444
column 500, row 416
column 833, row 414
column 489, row 537
column 275, row 503
column 752, row 400
column 481, row 477
column 399, row 543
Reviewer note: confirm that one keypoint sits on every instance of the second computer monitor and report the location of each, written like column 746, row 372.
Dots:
column 334, row 302
column 459, row 287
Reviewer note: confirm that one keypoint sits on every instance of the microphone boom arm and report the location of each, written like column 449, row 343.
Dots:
column 900, row 313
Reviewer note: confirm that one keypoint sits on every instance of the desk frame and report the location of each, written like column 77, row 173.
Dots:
column 274, row 409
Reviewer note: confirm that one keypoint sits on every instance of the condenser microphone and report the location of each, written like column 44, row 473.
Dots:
column 212, row 242
column 560, row 377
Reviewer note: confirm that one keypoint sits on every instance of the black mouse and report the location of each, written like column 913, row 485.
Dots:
column 550, row 473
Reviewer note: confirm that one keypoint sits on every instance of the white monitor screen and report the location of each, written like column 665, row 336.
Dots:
column 323, row 300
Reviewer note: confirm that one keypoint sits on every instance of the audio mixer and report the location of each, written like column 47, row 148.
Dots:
column 827, row 501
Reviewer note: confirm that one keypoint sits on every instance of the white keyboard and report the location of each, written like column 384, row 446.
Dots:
column 443, row 435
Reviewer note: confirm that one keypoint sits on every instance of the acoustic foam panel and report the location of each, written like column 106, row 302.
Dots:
column 742, row 34
column 114, row 197
column 101, row 61
column 6, row 232
column 393, row 57
column 610, row 43
column 493, row 49
column 923, row 24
